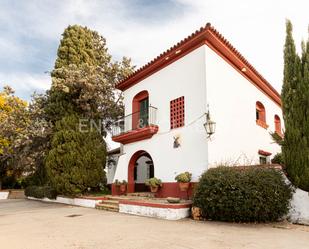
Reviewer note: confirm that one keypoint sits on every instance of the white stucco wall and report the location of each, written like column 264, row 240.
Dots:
column 299, row 212
column 185, row 77
column 162, row 213
column 232, row 102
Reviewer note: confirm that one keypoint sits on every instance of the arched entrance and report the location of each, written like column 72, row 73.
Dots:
column 140, row 169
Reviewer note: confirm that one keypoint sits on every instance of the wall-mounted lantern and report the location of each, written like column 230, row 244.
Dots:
column 210, row 125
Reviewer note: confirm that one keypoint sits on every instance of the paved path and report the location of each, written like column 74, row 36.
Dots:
column 26, row 224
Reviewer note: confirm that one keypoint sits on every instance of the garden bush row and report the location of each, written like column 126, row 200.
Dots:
column 249, row 194
column 41, row 192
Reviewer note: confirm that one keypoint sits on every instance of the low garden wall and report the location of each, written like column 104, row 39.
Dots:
column 4, row 195
column 299, row 211
column 81, row 202
column 156, row 210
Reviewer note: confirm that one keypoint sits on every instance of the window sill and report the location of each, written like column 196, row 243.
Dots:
column 262, row 124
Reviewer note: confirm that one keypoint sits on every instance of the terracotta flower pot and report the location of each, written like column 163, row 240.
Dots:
column 123, row 188
column 196, row 213
column 184, row 186
column 154, row 189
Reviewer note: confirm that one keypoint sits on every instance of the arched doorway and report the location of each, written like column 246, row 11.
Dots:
column 140, row 169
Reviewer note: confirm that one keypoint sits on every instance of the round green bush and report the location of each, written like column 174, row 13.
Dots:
column 249, row 194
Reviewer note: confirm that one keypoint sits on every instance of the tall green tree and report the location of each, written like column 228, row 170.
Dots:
column 295, row 103
column 76, row 161
column 83, row 87
column 84, row 77
column 81, row 45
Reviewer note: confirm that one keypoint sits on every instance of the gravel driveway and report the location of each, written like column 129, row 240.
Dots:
column 26, row 224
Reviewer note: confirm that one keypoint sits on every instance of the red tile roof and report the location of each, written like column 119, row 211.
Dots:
column 211, row 37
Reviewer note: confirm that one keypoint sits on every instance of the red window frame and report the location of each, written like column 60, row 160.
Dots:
column 260, row 115
column 277, row 121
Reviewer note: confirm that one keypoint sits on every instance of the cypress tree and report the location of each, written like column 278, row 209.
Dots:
column 83, row 83
column 76, row 160
column 295, row 104
column 76, row 47
column 79, row 47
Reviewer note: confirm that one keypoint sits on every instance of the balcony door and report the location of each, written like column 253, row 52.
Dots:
column 144, row 113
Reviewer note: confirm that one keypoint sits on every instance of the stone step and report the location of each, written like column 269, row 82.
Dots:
column 117, row 198
column 111, row 202
column 16, row 194
column 142, row 194
column 107, row 207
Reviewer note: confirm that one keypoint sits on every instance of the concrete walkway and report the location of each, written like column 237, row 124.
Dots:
column 26, row 224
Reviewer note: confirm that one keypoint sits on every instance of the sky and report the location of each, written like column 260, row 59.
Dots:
column 30, row 31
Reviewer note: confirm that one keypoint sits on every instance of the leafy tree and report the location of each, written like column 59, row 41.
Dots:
column 14, row 121
column 31, row 155
column 76, row 160
column 295, row 103
column 84, row 77
column 23, row 134
column 83, row 87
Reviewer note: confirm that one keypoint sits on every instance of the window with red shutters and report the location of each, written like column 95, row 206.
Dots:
column 177, row 112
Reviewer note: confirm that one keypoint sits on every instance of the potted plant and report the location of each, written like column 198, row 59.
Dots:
column 123, row 186
column 154, row 184
column 117, row 183
column 184, row 180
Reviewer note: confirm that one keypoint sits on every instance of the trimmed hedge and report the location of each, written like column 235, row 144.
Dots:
column 41, row 192
column 249, row 194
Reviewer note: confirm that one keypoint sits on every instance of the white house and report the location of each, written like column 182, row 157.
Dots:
column 169, row 100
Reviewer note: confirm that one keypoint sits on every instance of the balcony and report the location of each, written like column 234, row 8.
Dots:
column 136, row 126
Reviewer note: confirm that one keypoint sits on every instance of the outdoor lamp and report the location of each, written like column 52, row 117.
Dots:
column 210, row 126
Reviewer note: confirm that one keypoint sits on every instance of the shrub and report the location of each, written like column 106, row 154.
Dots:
column 117, row 182
column 248, row 195
column 277, row 159
column 184, row 177
column 41, row 192
column 153, row 182
column 10, row 182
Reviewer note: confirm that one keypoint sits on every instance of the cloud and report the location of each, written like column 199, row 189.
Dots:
column 141, row 29
column 25, row 84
